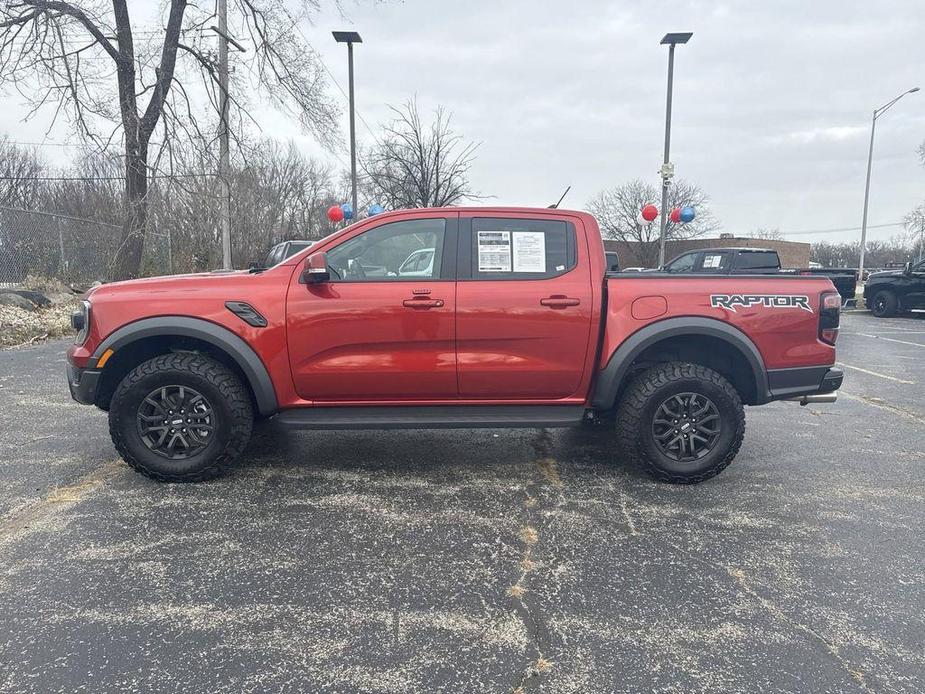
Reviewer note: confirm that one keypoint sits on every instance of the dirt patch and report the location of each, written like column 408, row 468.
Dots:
column 19, row 327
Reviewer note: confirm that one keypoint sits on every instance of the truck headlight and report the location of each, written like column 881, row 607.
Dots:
column 80, row 321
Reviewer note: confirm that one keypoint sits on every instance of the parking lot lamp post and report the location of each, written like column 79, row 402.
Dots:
column 667, row 170
column 350, row 38
column 870, row 159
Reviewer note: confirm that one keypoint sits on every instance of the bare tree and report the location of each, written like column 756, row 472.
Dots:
column 848, row 253
column 69, row 54
column 20, row 169
column 419, row 165
column 767, row 234
column 617, row 211
column 914, row 222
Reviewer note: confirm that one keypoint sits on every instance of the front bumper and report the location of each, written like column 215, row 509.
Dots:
column 83, row 383
column 812, row 380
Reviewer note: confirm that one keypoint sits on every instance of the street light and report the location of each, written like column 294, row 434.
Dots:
column 667, row 171
column 870, row 158
column 350, row 38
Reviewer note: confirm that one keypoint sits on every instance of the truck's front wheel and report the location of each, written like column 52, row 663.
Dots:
column 682, row 422
column 180, row 418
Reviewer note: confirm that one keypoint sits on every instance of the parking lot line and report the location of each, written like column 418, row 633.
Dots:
column 883, row 405
column 874, row 373
column 890, row 339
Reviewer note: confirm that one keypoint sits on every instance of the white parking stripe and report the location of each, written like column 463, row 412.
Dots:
column 874, row 373
column 890, row 339
column 882, row 405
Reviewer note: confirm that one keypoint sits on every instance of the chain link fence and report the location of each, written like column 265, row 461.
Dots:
column 71, row 249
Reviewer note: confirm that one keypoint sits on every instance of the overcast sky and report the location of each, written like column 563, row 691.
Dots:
column 772, row 99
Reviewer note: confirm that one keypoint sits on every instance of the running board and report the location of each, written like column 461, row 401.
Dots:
column 429, row 417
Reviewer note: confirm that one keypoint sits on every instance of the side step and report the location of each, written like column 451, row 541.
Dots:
column 429, row 417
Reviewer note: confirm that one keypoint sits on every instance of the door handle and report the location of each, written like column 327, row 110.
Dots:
column 559, row 301
column 422, row 302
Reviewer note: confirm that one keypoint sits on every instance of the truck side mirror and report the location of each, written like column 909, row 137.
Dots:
column 316, row 269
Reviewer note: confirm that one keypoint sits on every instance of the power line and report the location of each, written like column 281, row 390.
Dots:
column 334, row 80
column 833, row 231
column 99, row 178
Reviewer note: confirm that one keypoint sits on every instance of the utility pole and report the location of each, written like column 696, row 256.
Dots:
column 667, row 170
column 223, row 162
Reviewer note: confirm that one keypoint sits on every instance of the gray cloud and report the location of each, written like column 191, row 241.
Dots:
column 772, row 99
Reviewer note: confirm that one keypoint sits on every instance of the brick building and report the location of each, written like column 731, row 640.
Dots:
column 792, row 253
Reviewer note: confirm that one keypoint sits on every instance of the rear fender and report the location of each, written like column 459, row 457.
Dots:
column 612, row 375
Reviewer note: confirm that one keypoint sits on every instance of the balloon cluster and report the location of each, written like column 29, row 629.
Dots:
column 679, row 215
column 338, row 213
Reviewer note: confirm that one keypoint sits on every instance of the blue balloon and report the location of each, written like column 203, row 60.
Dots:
column 688, row 214
column 375, row 209
column 347, row 210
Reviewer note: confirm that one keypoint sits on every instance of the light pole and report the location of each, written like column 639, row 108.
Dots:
column 667, row 169
column 870, row 159
column 350, row 38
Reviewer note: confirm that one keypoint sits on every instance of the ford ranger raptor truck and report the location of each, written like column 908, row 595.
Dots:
column 458, row 317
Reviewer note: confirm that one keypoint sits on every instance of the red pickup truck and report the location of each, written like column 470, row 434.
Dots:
column 458, row 317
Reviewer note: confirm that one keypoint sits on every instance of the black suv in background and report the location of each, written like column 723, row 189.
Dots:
column 894, row 291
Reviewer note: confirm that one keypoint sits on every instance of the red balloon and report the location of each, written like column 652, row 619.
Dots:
column 335, row 213
column 675, row 215
column 649, row 212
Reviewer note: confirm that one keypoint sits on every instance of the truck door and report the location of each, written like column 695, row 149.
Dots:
column 376, row 330
column 523, row 307
column 915, row 296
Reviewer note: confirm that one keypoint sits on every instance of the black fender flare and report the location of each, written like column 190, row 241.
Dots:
column 258, row 378
column 611, row 376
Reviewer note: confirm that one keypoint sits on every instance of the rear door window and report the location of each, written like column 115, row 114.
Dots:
column 519, row 249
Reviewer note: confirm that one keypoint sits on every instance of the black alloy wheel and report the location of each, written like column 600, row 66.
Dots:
column 686, row 427
column 175, row 421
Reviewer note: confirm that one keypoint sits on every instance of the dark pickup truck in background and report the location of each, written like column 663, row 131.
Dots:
column 725, row 261
column 895, row 291
column 760, row 261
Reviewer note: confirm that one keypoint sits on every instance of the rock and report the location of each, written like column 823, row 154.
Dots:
column 36, row 298
column 11, row 299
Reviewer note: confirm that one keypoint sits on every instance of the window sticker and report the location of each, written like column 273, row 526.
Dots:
column 529, row 251
column 712, row 260
column 494, row 251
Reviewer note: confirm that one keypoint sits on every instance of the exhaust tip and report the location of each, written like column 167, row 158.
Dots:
column 815, row 399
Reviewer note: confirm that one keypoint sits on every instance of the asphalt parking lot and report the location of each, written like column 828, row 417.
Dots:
column 473, row 561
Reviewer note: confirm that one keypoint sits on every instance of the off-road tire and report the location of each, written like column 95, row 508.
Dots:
column 223, row 389
column 648, row 390
column 884, row 304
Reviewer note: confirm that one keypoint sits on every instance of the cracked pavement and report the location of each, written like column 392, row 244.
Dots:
column 473, row 561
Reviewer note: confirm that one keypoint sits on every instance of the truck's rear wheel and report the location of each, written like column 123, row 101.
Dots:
column 180, row 418
column 681, row 422
column 884, row 304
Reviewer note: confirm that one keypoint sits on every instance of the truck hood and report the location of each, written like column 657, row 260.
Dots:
column 169, row 282
column 884, row 273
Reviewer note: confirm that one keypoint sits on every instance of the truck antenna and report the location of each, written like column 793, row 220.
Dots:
column 557, row 203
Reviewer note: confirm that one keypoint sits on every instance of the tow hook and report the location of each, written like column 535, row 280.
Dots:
column 819, row 398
